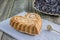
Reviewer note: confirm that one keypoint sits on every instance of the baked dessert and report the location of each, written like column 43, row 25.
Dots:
column 31, row 23
column 51, row 7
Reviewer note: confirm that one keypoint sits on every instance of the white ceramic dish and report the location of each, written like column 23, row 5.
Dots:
column 44, row 35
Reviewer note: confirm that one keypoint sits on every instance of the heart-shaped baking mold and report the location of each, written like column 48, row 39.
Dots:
column 30, row 23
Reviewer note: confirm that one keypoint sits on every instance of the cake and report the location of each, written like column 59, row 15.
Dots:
column 31, row 23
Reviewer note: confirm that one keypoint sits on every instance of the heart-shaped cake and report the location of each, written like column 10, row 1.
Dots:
column 30, row 23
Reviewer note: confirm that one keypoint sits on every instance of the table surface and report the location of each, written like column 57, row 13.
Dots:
column 8, row 8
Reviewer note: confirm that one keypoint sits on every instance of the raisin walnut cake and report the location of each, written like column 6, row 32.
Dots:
column 31, row 23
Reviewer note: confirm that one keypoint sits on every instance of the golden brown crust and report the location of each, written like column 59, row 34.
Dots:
column 31, row 23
